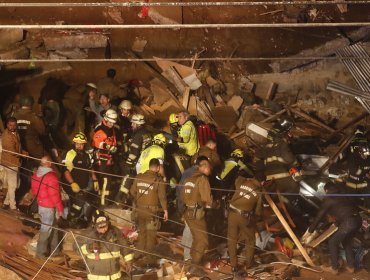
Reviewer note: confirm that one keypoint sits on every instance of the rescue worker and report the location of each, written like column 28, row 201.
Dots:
column 209, row 150
column 174, row 124
column 103, row 106
column 187, row 135
column 278, row 162
column 124, row 122
column 347, row 218
column 244, row 207
column 78, row 180
column 31, row 128
column 156, row 150
column 107, row 85
column 103, row 258
column 232, row 167
column 140, row 140
column 105, row 145
column 197, row 197
column 149, row 194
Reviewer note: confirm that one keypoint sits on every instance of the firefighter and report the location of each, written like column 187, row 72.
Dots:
column 156, row 150
column 149, row 194
column 125, row 123
column 31, row 128
column 244, row 207
column 197, row 197
column 78, row 180
column 278, row 163
column 174, row 124
column 187, row 135
column 231, row 168
column 105, row 145
column 140, row 140
column 103, row 257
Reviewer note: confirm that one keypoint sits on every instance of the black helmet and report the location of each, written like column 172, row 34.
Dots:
column 26, row 100
column 361, row 148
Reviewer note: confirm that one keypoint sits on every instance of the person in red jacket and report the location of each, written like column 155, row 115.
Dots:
column 46, row 189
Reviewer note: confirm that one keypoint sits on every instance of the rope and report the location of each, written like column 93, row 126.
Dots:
column 182, row 4
column 60, row 242
column 179, row 59
column 184, row 26
column 215, row 189
column 5, row 212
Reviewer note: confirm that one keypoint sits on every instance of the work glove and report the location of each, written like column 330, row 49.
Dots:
column 75, row 187
column 112, row 149
column 96, row 185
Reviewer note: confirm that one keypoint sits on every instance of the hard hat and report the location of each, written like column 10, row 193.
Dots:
column 92, row 85
column 80, row 138
column 361, row 147
column 26, row 100
column 138, row 119
column 110, row 115
column 159, row 139
column 173, row 118
column 238, row 153
column 283, row 124
column 99, row 219
column 125, row 104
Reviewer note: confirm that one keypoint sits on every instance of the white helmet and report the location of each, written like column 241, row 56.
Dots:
column 138, row 119
column 125, row 104
column 111, row 116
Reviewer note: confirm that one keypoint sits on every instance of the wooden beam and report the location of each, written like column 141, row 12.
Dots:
column 353, row 122
column 289, row 230
column 325, row 235
column 186, row 98
column 311, row 119
column 173, row 90
column 271, row 92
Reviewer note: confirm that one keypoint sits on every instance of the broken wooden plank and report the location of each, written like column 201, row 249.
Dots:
column 235, row 102
column 325, row 235
column 289, row 230
column 352, row 123
column 173, row 90
column 186, row 98
column 173, row 76
column 271, row 91
column 85, row 41
column 209, row 97
column 311, row 119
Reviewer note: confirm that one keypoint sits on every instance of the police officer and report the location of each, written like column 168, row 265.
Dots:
column 187, row 135
column 209, row 150
column 149, row 194
column 245, row 204
column 279, row 164
column 79, row 179
column 31, row 128
column 197, row 197
column 102, row 258
column 105, row 145
column 141, row 139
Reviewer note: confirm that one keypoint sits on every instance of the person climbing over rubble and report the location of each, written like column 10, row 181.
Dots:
column 103, row 248
column 124, row 122
column 346, row 216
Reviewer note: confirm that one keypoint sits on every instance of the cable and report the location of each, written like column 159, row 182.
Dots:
column 2, row 211
column 182, row 4
column 184, row 26
column 183, row 59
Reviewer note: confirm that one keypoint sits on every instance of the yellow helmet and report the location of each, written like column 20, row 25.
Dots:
column 80, row 138
column 238, row 153
column 159, row 139
column 173, row 118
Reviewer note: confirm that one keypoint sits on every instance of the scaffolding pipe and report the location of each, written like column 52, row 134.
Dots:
column 179, row 59
column 181, row 4
column 183, row 26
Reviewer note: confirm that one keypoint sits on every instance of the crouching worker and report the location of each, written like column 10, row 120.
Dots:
column 348, row 220
column 103, row 258
column 46, row 189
